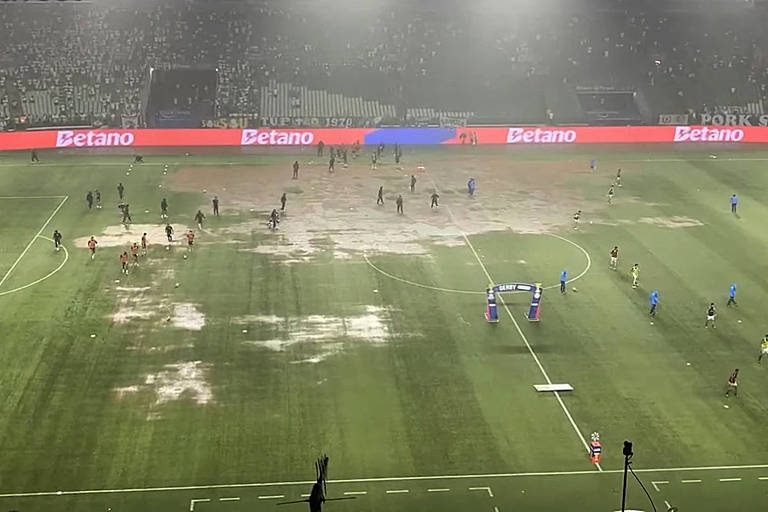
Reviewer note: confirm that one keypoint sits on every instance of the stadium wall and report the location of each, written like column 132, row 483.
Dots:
column 519, row 135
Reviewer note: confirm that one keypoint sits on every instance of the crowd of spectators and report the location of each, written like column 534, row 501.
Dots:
column 90, row 63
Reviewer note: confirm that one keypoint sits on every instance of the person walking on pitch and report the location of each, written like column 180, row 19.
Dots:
column 618, row 178
column 711, row 314
column 56, row 240
column 763, row 348
column 732, row 295
column 733, row 383
column 563, row 279
column 610, row 195
column 734, row 203
column 399, row 202
column 635, row 275
column 614, row 257
column 654, row 302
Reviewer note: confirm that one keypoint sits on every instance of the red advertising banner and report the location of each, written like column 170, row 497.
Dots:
column 521, row 135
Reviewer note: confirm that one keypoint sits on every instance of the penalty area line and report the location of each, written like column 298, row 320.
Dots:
column 26, row 249
column 480, row 476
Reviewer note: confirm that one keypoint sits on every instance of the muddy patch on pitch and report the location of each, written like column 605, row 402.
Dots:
column 671, row 222
column 180, row 381
column 137, row 304
column 187, row 316
column 314, row 338
column 342, row 208
column 123, row 236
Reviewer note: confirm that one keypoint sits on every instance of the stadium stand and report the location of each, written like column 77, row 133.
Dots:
column 90, row 64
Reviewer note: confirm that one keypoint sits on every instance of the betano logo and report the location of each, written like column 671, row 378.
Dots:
column 92, row 139
column 276, row 138
column 540, row 136
column 704, row 134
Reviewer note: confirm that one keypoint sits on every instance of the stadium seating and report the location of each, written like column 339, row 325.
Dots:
column 90, row 63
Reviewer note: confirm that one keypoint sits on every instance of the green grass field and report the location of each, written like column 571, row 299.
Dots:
column 211, row 382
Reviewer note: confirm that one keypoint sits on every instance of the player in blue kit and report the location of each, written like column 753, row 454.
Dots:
column 654, row 302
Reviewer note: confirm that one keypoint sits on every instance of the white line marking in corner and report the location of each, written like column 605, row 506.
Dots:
column 488, row 489
column 519, row 330
column 26, row 249
column 655, row 483
column 192, row 503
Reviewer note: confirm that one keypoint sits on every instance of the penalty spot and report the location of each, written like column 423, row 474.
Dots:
column 553, row 387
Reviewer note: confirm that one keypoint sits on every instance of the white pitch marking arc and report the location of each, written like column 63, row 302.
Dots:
column 476, row 292
column 479, row 476
column 26, row 249
column 38, row 281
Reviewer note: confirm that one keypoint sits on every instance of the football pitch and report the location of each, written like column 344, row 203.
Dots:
column 210, row 379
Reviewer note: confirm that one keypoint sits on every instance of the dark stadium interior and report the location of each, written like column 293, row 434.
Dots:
column 366, row 63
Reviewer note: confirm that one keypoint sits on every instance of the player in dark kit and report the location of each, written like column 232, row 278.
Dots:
column 733, row 383
column 435, row 197
column 98, row 199
column 169, row 233
column 374, row 158
column 164, row 209
column 331, row 163
column 125, row 208
column 283, row 199
column 296, row 170
column 89, row 199
column 320, row 146
column 56, row 239
column 144, row 244
column 399, row 202
column 380, row 196
column 199, row 217
column 215, row 202
column 35, row 158
column 413, row 183
column 711, row 314
column 120, row 190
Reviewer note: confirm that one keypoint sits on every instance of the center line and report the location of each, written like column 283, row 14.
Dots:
column 730, row 479
column 355, row 493
column 438, row 490
column 690, row 481
column 398, row 491
column 519, row 331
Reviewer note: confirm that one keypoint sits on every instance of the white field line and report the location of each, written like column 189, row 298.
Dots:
column 495, row 509
column 730, row 479
column 193, row 502
column 26, row 249
column 762, row 478
column 272, row 497
column 398, row 491
column 667, row 504
column 476, row 292
column 32, row 197
column 33, row 283
column 479, row 476
column 693, row 481
column 487, row 489
column 234, row 498
column 520, row 331
column 442, row 489
column 355, row 493
column 656, row 483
